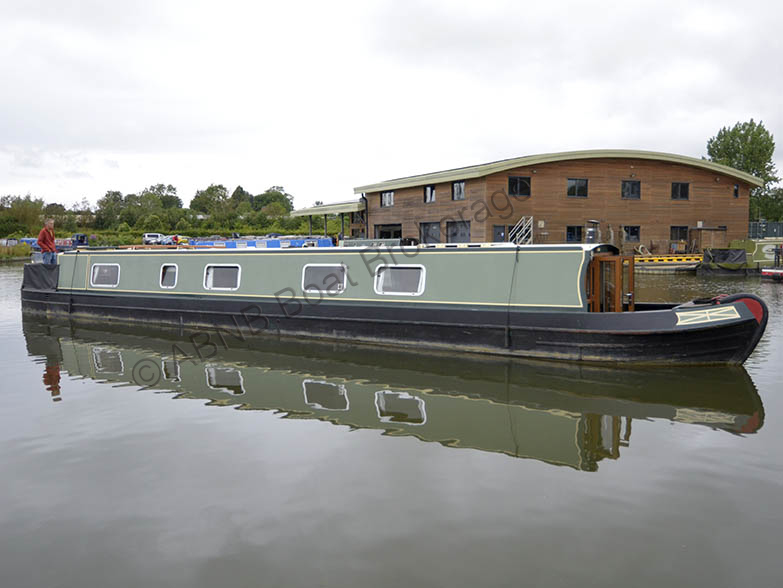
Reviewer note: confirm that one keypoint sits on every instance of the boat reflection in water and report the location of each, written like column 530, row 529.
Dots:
column 563, row 414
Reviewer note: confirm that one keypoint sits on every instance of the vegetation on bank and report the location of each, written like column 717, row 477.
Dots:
column 20, row 251
column 121, row 219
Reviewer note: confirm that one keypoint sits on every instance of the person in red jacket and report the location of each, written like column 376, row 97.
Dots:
column 46, row 242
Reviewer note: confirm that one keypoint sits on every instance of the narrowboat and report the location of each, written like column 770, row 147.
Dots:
column 559, row 413
column 772, row 273
column 565, row 302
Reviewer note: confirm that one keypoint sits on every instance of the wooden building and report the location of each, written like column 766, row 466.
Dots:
column 662, row 201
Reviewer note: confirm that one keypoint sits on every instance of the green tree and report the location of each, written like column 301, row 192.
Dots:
column 274, row 194
column 748, row 147
column 152, row 223
column 182, row 226
column 274, row 210
column 166, row 195
column 770, row 204
column 109, row 209
column 54, row 209
column 124, row 228
column 25, row 211
column 210, row 200
column 240, row 196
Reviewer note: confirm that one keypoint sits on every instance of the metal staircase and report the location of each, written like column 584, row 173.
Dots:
column 522, row 233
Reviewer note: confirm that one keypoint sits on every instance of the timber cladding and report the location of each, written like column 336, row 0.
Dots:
column 712, row 202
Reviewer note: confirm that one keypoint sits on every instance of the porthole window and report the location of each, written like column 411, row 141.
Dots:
column 222, row 277
column 168, row 275
column 401, row 280
column 105, row 275
column 324, row 278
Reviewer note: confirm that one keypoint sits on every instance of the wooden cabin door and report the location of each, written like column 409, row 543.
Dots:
column 610, row 283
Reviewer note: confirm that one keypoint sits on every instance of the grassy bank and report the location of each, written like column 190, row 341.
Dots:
column 19, row 252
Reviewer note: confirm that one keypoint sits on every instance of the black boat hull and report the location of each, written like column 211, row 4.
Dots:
column 685, row 334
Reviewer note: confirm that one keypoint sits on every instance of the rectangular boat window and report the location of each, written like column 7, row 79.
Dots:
column 221, row 277
column 329, row 279
column 223, row 379
column 105, row 275
column 325, row 395
column 107, row 361
column 170, row 370
column 404, row 280
column 168, row 275
column 400, row 407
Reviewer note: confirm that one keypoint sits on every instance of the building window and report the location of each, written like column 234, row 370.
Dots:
column 458, row 190
column 429, row 193
column 168, row 275
column 105, row 275
column 574, row 234
column 403, row 280
column 680, row 190
column 221, row 277
column 678, row 233
column 631, row 233
column 518, row 186
column 324, row 278
column 458, row 232
column 632, row 190
column 736, row 190
column 387, row 199
column 577, row 188
column 498, row 233
column 429, row 232
column 388, row 231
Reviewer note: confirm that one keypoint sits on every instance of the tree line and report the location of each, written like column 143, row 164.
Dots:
column 159, row 209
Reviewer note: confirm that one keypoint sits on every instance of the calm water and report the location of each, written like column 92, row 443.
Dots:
column 127, row 460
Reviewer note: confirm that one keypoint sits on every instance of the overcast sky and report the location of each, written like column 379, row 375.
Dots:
column 320, row 97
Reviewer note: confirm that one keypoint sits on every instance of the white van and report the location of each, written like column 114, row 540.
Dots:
column 151, row 238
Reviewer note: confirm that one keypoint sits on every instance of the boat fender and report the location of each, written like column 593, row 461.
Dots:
column 754, row 304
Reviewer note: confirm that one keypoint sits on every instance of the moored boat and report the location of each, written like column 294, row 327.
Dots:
column 570, row 302
column 772, row 273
